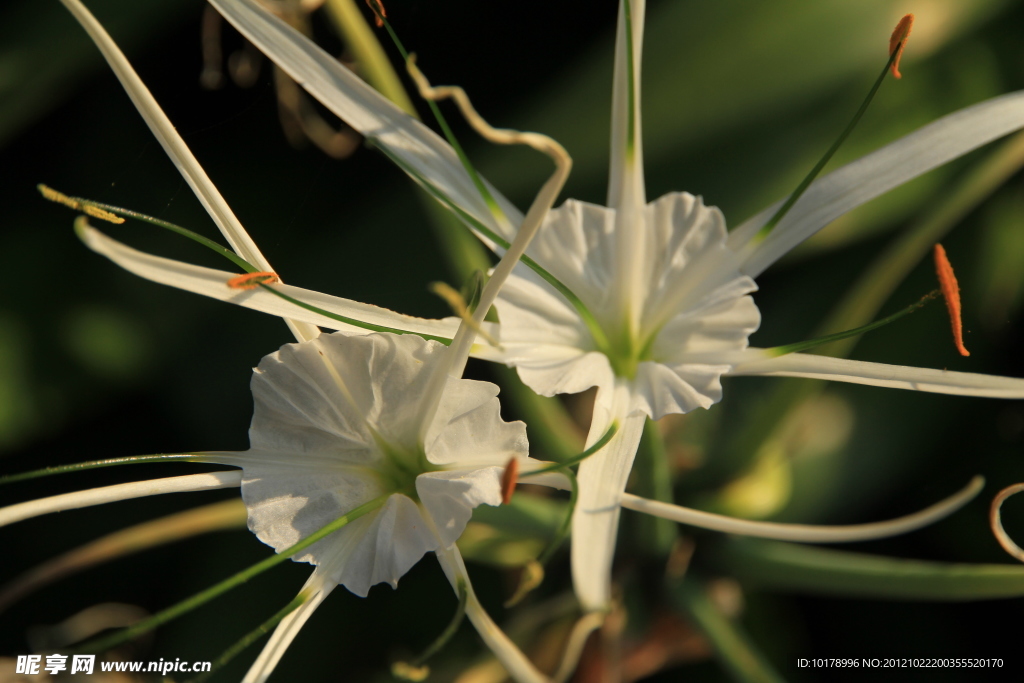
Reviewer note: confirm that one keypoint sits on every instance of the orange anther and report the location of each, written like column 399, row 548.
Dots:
column 252, row 280
column 951, row 293
column 898, row 41
column 379, row 13
column 508, row 480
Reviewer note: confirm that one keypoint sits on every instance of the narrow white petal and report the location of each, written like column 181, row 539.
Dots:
column 861, row 181
column 626, row 175
column 602, row 479
column 882, row 375
column 363, row 108
column 213, row 283
column 110, row 494
column 807, row 533
column 626, row 190
column 511, row 657
column 288, row 628
column 178, row 151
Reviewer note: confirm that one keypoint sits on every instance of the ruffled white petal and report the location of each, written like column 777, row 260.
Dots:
column 828, row 198
column 213, row 283
column 110, row 494
column 364, row 109
column 331, row 417
column 449, row 497
column 179, row 152
column 602, row 480
column 468, row 431
column 882, row 375
column 288, row 628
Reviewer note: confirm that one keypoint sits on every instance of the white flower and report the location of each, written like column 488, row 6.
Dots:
column 648, row 302
column 337, row 424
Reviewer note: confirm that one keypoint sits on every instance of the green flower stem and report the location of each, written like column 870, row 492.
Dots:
column 806, row 182
column 251, row 637
column 655, row 536
column 202, row 597
column 449, row 630
column 95, row 464
column 807, row 570
column 732, row 647
column 576, row 459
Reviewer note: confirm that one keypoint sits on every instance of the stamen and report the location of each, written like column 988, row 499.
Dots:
column 951, row 293
column 252, row 280
column 461, row 309
column 379, row 13
column 77, row 204
column 806, row 182
column 811, row 343
column 509, row 478
column 898, row 41
column 996, row 522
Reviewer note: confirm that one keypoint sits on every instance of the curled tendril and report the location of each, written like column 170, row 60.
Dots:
column 996, row 522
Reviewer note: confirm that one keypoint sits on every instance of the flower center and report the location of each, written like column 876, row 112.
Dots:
column 399, row 466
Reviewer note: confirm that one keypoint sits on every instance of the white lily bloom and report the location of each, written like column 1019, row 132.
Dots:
column 663, row 307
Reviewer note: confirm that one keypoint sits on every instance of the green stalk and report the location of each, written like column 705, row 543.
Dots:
column 187, row 605
column 655, row 535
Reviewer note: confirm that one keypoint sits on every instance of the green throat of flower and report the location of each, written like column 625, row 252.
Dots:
column 399, row 466
column 625, row 351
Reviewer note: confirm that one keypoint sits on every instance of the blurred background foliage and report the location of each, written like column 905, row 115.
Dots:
column 739, row 100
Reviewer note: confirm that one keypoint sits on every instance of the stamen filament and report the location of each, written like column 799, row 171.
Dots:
column 204, row 596
column 184, row 232
column 461, row 309
column 94, row 464
column 403, row 669
column 252, row 636
column 806, row 182
column 807, row 533
column 347, row 320
column 811, row 343
column 442, row 122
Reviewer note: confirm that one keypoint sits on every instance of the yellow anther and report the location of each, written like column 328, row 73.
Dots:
column 898, row 41
column 78, row 204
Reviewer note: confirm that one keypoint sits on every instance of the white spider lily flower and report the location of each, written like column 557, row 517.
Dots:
column 344, row 420
column 649, row 302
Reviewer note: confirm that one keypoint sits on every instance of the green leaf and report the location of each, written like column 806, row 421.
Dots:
column 788, row 567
